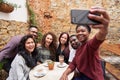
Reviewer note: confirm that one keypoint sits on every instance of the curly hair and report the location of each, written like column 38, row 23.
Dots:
column 30, row 61
column 53, row 45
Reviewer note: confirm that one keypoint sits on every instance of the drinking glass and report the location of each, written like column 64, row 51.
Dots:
column 61, row 59
column 50, row 65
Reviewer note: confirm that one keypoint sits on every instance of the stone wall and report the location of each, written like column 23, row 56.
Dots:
column 54, row 15
column 9, row 29
column 59, row 12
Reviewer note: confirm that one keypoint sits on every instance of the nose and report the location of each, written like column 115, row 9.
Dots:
column 64, row 39
column 80, row 32
column 73, row 42
column 49, row 40
column 35, row 34
column 31, row 44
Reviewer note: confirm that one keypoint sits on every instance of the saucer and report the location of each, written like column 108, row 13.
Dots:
column 40, row 73
column 62, row 66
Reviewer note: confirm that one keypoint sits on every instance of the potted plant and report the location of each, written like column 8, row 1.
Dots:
column 6, row 7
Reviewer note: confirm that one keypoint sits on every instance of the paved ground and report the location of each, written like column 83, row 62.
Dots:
column 113, row 59
column 109, row 76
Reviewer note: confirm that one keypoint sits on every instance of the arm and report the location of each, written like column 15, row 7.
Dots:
column 104, row 19
column 11, row 45
column 20, row 73
column 65, row 74
column 70, row 69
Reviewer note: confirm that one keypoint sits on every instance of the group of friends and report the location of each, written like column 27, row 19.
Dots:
column 81, row 53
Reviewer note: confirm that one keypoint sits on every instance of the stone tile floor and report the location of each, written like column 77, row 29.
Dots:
column 113, row 59
column 109, row 76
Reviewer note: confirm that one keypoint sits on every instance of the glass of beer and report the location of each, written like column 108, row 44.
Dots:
column 61, row 59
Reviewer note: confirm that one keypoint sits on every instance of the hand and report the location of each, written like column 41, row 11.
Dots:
column 38, row 63
column 103, row 18
column 64, row 77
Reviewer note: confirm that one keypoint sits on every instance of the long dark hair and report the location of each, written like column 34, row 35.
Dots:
column 30, row 60
column 67, row 43
column 65, row 52
column 53, row 45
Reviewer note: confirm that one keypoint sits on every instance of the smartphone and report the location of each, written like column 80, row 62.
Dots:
column 81, row 17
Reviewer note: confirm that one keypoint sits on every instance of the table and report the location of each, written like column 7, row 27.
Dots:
column 54, row 74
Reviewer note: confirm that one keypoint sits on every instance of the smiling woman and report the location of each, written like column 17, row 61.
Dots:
column 24, row 60
column 48, row 47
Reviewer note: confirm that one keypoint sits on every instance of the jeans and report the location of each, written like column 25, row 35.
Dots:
column 81, row 77
column 103, row 64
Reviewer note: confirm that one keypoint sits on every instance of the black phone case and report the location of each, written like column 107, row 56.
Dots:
column 81, row 17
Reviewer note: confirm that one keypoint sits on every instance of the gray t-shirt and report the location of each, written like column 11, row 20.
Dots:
column 43, row 54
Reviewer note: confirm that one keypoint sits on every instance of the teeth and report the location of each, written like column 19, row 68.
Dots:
column 80, row 36
column 31, row 47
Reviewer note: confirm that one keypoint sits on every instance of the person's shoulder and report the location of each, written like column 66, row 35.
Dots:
column 18, row 57
column 40, row 47
column 17, row 37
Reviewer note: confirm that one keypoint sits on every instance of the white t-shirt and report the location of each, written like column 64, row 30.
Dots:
column 72, row 54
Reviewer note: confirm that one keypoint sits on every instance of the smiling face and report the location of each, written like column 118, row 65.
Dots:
column 82, row 34
column 48, row 40
column 30, row 45
column 63, row 39
column 74, row 42
column 34, row 32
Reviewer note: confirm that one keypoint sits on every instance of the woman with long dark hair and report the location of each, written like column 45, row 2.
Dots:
column 24, row 60
column 63, row 46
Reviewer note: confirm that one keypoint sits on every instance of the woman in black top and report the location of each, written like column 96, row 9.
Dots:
column 63, row 46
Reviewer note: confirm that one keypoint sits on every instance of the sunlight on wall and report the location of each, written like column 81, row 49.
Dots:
column 19, row 14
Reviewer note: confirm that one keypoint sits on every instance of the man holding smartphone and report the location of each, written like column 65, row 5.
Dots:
column 8, row 53
column 87, row 60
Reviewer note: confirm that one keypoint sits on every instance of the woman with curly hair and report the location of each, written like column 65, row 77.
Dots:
column 47, row 50
column 24, row 60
